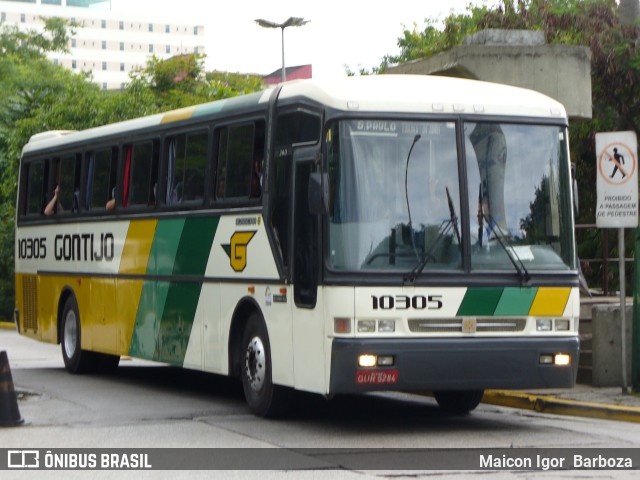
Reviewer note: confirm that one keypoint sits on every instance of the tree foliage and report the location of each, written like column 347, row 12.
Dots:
column 40, row 96
column 182, row 81
column 615, row 75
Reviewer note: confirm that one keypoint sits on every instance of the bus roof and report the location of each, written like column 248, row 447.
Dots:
column 426, row 94
column 368, row 93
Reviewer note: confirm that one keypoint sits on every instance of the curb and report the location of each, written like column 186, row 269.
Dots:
column 7, row 325
column 559, row 406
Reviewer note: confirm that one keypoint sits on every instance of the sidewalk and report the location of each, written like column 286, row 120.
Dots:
column 581, row 401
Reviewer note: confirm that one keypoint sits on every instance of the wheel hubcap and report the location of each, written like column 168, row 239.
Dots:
column 255, row 363
column 70, row 334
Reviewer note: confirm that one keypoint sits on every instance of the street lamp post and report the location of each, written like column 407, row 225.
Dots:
column 290, row 22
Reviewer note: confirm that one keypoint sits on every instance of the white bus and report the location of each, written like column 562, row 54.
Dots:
column 375, row 233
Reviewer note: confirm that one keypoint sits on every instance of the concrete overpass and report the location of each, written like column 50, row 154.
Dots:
column 520, row 58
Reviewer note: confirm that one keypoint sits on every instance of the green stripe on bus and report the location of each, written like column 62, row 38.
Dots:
column 177, row 319
column 165, row 246
column 195, row 246
column 144, row 341
column 486, row 301
column 167, row 308
column 182, row 297
column 480, row 301
column 516, row 301
column 144, row 338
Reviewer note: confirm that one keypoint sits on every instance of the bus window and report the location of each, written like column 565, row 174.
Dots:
column 68, row 168
column 186, row 162
column 101, row 180
column 35, row 188
column 297, row 127
column 240, row 161
column 141, row 171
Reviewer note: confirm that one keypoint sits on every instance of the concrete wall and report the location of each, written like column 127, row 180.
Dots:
column 607, row 345
column 518, row 58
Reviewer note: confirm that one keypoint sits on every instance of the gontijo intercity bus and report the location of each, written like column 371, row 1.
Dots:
column 375, row 233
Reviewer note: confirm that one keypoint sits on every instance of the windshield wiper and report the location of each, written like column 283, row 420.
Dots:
column 493, row 226
column 406, row 191
column 445, row 227
column 454, row 217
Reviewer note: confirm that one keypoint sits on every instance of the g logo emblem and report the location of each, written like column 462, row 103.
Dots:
column 237, row 250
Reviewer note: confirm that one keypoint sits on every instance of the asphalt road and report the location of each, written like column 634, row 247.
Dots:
column 154, row 406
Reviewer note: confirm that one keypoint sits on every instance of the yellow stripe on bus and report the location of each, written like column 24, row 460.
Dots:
column 177, row 115
column 137, row 247
column 135, row 257
column 550, row 301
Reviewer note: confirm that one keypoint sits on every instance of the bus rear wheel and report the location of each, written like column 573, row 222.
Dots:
column 75, row 359
column 263, row 397
column 458, row 402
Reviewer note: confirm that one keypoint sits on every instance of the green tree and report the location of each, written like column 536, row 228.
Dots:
column 181, row 81
column 39, row 96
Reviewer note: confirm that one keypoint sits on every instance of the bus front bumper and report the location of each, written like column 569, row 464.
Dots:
column 452, row 364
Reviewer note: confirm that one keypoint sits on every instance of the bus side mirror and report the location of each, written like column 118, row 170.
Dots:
column 318, row 193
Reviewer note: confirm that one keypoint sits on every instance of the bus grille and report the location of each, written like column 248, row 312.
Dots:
column 452, row 325
column 30, row 302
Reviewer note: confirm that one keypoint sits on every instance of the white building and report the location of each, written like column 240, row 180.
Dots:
column 109, row 44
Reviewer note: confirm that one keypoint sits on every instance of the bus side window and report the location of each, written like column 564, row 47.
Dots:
column 141, row 171
column 68, row 168
column 187, row 156
column 35, row 188
column 297, row 127
column 101, row 180
column 240, row 161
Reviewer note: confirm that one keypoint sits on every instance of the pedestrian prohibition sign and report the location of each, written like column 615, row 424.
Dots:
column 617, row 185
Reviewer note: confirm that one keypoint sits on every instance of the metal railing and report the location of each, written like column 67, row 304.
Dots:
column 605, row 259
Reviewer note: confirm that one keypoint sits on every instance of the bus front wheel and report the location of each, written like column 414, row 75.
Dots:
column 263, row 397
column 458, row 402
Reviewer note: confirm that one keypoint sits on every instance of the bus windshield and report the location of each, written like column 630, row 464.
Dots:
column 395, row 197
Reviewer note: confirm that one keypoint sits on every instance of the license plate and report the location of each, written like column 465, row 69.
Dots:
column 377, row 377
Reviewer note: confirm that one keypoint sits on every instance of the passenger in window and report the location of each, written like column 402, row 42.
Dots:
column 54, row 205
column 176, row 193
column 111, row 203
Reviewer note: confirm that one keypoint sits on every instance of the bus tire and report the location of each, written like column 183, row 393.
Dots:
column 458, row 402
column 263, row 397
column 75, row 359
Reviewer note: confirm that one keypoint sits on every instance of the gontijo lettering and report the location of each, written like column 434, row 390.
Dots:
column 85, row 247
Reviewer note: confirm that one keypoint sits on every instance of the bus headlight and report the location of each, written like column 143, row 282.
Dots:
column 366, row 326
column 386, row 326
column 559, row 359
column 367, row 360
column 562, row 325
column 544, row 324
